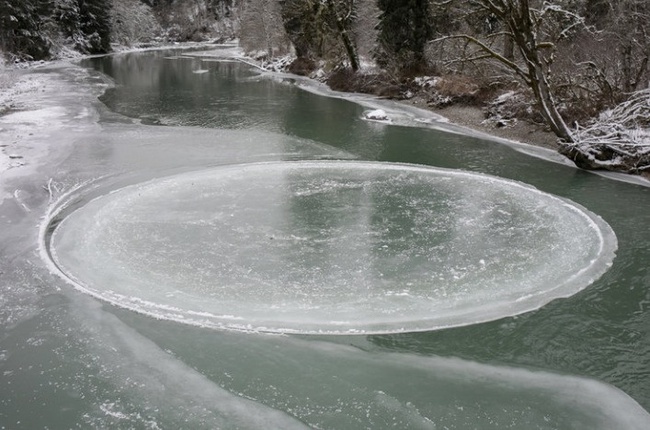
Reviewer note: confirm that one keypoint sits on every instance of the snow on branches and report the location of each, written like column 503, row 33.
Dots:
column 618, row 140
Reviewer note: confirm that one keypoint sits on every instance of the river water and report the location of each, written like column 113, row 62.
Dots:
column 198, row 196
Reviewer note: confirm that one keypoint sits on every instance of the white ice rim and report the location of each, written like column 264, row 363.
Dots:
column 607, row 245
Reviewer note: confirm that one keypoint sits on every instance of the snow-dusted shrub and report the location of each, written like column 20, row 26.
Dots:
column 277, row 64
column 451, row 89
column 380, row 84
column 425, row 82
column 302, row 66
column 618, row 140
column 133, row 23
column 193, row 21
column 513, row 105
column 262, row 29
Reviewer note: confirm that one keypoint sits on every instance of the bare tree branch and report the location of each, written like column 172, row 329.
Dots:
column 490, row 53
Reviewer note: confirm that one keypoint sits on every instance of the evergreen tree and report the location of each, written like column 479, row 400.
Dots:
column 20, row 30
column 87, row 23
column 306, row 25
column 404, row 29
column 94, row 25
column 67, row 15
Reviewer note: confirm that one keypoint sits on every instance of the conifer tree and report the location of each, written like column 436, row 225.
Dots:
column 321, row 29
column 20, row 30
column 404, row 29
column 94, row 19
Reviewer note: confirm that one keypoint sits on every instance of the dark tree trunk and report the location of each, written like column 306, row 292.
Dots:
column 518, row 19
column 345, row 37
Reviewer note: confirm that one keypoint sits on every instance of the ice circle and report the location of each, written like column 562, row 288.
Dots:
column 333, row 247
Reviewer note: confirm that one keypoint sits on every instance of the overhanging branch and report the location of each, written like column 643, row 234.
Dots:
column 489, row 52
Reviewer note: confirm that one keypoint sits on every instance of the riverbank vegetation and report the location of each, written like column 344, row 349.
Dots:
column 580, row 67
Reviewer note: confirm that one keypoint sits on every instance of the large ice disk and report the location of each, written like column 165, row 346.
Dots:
column 331, row 247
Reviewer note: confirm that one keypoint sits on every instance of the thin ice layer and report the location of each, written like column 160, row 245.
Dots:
column 331, row 247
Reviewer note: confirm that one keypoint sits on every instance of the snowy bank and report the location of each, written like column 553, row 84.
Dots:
column 619, row 140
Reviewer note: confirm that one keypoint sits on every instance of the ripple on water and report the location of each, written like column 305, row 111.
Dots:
column 330, row 247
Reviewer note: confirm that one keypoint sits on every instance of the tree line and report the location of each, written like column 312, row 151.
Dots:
column 27, row 26
column 573, row 59
column 32, row 30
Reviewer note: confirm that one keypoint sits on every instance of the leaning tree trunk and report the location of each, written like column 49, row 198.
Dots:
column 523, row 27
column 546, row 102
column 349, row 47
column 264, row 16
column 345, row 37
column 524, row 32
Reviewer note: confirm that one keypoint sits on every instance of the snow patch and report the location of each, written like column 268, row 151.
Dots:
column 504, row 97
column 426, row 81
column 376, row 115
column 39, row 117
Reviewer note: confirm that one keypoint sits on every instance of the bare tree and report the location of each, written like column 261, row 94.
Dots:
column 321, row 28
column 365, row 27
column 342, row 13
column 262, row 29
column 534, row 27
column 629, row 23
column 132, row 22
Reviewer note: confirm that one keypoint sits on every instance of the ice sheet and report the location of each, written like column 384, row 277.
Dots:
column 331, row 247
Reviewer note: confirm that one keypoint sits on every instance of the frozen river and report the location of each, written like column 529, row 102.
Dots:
column 205, row 246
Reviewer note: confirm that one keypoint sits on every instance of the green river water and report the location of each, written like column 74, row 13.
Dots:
column 70, row 360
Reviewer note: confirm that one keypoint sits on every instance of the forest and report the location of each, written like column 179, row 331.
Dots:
column 580, row 67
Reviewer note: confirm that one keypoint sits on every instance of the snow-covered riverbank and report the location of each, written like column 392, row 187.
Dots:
column 35, row 101
column 30, row 107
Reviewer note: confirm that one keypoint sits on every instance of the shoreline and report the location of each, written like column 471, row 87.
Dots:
column 534, row 139
column 470, row 117
column 473, row 117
